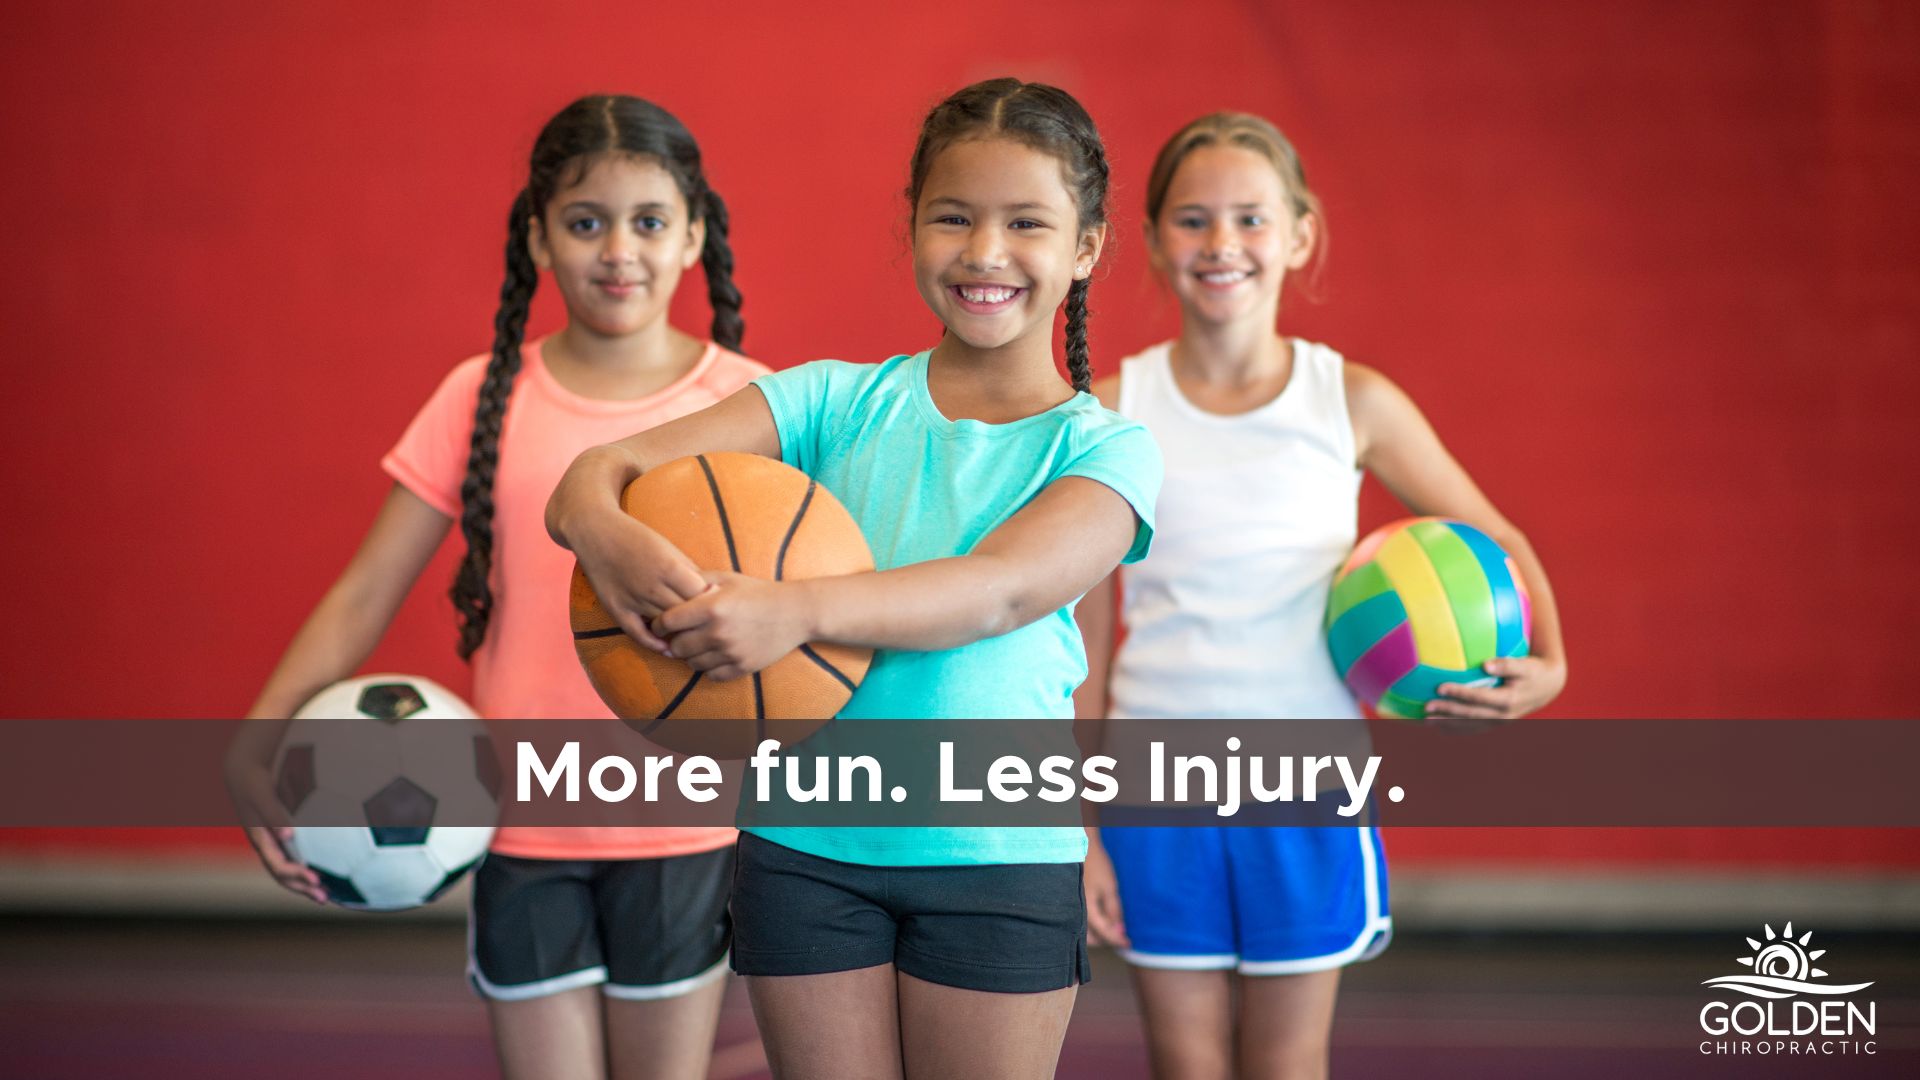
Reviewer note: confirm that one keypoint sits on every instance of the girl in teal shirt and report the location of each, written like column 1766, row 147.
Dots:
column 994, row 494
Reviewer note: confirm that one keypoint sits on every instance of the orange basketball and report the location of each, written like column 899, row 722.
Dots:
column 755, row 516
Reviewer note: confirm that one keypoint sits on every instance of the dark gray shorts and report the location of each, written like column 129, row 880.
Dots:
column 1011, row 929
column 637, row 928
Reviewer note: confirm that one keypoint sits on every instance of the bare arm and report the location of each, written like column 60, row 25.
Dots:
column 336, row 638
column 1055, row 548
column 635, row 572
column 1395, row 442
column 349, row 620
column 1042, row 558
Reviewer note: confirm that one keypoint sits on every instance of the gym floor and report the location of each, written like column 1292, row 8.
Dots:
column 217, row 999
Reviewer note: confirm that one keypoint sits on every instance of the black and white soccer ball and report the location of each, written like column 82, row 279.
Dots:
column 392, row 787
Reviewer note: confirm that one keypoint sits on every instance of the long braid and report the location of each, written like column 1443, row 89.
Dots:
column 716, row 258
column 472, row 588
column 578, row 136
column 1093, row 180
column 1079, row 363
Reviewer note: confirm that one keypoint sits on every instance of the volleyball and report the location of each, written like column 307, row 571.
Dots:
column 1422, row 602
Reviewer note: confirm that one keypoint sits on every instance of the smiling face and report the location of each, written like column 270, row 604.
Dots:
column 997, row 241
column 617, row 240
column 1227, row 235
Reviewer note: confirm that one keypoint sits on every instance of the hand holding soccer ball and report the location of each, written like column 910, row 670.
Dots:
column 380, row 797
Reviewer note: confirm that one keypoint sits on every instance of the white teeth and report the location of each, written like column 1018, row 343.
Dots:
column 1224, row 277
column 986, row 296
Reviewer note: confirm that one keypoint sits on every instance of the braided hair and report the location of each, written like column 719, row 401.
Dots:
column 1047, row 119
column 573, row 141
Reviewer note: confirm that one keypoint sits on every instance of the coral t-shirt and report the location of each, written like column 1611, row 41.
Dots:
column 526, row 667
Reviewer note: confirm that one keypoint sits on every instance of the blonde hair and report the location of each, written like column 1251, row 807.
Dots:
column 1248, row 132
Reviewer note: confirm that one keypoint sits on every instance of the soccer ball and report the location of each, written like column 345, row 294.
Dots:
column 392, row 787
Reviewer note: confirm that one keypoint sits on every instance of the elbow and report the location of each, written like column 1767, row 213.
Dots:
column 1003, row 617
column 1000, row 600
column 1009, row 610
column 989, row 617
column 556, row 523
column 998, row 607
column 579, row 476
column 554, row 517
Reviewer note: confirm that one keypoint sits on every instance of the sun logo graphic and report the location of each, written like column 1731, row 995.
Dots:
column 1781, row 968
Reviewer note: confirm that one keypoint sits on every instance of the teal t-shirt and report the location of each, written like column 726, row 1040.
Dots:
column 924, row 487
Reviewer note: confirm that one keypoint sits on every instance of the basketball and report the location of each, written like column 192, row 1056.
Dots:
column 755, row 516
column 1422, row 602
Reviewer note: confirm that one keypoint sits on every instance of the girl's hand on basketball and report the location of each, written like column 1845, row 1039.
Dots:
column 1104, row 923
column 1527, row 683
column 637, row 574
column 738, row 626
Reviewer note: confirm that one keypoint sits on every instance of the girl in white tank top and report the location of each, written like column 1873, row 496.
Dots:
column 1265, row 440
column 1259, row 510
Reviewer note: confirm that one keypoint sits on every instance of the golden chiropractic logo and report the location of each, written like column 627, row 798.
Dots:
column 1790, row 1024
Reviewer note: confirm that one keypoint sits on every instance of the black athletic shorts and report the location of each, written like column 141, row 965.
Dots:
column 1014, row 929
column 637, row 928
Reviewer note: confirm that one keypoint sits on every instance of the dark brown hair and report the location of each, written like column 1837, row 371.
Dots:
column 1047, row 119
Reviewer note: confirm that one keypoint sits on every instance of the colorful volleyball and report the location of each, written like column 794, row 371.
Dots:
column 1422, row 602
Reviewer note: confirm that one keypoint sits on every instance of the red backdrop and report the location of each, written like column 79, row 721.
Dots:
column 1648, row 267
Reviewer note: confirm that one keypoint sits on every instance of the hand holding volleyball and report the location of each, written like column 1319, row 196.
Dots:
column 1427, row 617
column 1526, row 683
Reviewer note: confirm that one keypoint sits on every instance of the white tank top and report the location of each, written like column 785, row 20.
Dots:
column 1256, row 514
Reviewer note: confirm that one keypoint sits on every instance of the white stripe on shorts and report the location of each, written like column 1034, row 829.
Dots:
column 666, row 990
column 1178, row 962
column 559, row 984
column 1374, row 933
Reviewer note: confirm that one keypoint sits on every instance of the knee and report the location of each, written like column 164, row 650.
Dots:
column 1190, row 1056
column 1293, row 1059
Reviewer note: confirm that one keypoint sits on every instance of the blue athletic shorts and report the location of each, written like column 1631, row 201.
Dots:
column 1262, row 901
